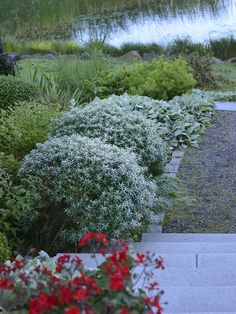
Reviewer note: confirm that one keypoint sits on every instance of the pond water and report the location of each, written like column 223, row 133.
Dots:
column 163, row 23
column 119, row 21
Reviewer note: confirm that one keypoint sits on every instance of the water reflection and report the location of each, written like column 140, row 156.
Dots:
column 162, row 24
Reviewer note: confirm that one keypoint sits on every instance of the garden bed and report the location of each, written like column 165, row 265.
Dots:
column 209, row 174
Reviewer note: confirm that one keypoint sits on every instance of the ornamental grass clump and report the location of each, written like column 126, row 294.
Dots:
column 89, row 186
column 115, row 124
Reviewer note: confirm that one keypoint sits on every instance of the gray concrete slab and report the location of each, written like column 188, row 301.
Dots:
column 226, row 106
column 200, row 299
column 200, row 277
column 185, row 247
column 188, row 237
column 186, row 261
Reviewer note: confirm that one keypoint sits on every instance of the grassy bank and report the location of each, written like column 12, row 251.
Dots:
column 224, row 48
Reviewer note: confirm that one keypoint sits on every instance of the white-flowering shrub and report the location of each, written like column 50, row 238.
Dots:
column 113, row 122
column 99, row 186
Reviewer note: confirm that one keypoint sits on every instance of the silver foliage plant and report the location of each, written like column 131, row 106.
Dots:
column 102, row 187
column 112, row 121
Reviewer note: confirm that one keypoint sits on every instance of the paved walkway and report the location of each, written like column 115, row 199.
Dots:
column 226, row 106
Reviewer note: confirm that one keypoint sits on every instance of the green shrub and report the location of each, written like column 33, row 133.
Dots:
column 202, row 69
column 159, row 79
column 90, row 186
column 13, row 90
column 4, row 248
column 16, row 202
column 117, row 125
column 25, row 125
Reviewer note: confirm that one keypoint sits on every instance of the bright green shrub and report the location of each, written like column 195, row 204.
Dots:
column 4, row 248
column 90, row 186
column 117, row 125
column 13, row 90
column 25, row 125
column 159, row 79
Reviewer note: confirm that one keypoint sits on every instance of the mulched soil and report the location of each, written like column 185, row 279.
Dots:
column 209, row 175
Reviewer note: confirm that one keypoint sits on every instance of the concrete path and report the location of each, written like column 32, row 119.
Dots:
column 226, row 106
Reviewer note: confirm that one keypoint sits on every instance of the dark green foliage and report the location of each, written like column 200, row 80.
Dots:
column 186, row 46
column 15, row 203
column 13, row 90
column 160, row 79
column 7, row 65
column 4, row 248
column 202, row 69
column 223, row 48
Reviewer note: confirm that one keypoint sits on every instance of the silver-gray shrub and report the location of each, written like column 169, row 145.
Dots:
column 180, row 121
column 118, row 125
column 101, row 187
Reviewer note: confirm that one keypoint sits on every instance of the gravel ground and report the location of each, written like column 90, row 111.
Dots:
column 209, row 175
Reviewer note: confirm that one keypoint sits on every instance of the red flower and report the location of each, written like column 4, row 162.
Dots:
column 72, row 310
column 5, row 284
column 18, row 264
column 124, row 270
column 42, row 304
column 140, row 258
column 124, row 310
column 97, row 236
column 65, row 296
column 154, row 302
column 81, row 295
column 117, row 283
column 159, row 263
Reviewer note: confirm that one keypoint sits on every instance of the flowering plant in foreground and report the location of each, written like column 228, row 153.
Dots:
column 121, row 284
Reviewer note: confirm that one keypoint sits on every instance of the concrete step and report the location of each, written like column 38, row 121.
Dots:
column 199, row 299
column 226, row 106
column 189, row 237
column 200, row 312
column 200, row 277
column 185, row 247
column 179, row 261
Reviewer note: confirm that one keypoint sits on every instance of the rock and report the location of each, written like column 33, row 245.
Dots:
column 131, row 56
column 216, row 60
column 232, row 60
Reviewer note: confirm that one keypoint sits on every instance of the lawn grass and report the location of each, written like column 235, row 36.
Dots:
column 225, row 76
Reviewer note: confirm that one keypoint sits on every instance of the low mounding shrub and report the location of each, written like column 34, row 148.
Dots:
column 122, row 284
column 179, row 121
column 4, row 248
column 159, row 79
column 13, row 90
column 116, row 124
column 23, row 126
column 89, row 186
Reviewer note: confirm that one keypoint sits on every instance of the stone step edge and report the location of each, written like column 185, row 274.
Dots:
column 171, row 169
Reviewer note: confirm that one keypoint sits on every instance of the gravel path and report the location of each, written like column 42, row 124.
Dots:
column 209, row 175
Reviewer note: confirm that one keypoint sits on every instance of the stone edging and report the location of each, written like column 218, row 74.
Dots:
column 170, row 170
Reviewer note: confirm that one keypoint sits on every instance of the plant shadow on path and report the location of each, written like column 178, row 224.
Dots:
column 209, row 174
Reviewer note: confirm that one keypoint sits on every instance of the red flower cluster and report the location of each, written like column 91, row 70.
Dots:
column 72, row 289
